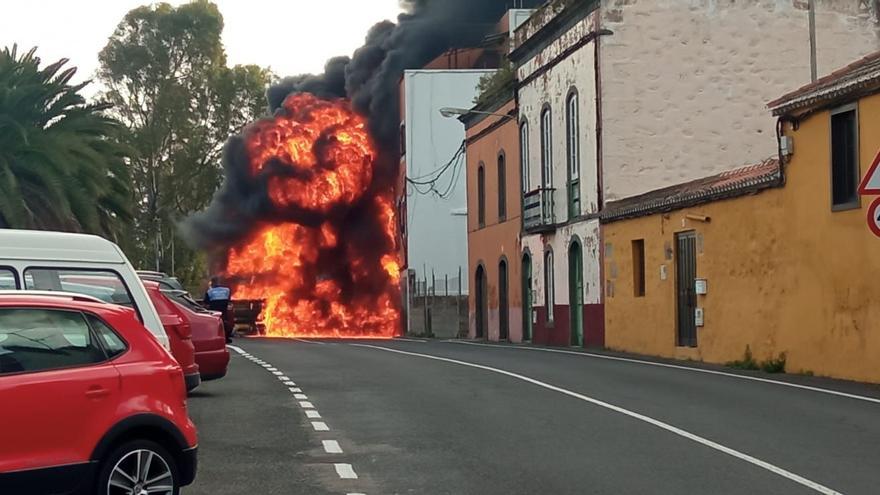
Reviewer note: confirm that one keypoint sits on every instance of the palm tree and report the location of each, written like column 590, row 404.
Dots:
column 62, row 166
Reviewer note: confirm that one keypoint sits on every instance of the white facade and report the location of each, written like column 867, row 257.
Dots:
column 685, row 82
column 436, row 227
column 549, row 86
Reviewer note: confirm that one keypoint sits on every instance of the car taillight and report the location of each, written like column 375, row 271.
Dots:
column 179, row 383
column 183, row 330
column 220, row 330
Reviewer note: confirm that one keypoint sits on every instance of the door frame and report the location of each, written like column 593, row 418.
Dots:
column 503, row 299
column 685, row 290
column 526, row 279
column 576, row 292
column 481, row 305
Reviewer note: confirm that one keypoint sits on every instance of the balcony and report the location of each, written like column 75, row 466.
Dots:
column 538, row 206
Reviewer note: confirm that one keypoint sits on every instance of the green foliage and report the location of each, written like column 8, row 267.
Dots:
column 62, row 166
column 772, row 365
column 746, row 363
column 165, row 72
column 492, row 84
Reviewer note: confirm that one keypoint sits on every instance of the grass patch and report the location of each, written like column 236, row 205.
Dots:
column 748, row 362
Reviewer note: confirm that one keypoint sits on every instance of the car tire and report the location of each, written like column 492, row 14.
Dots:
column 120, row 467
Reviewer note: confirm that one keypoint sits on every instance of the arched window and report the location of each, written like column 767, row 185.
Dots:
column 481, row 195
column 549, row 284
column 502, row 188
column 524, row 154
column 572, row 134
column 546, row 150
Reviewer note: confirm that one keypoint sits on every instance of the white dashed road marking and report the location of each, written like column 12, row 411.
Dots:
column 332, row 447
column 345, row 471
column 640, row 417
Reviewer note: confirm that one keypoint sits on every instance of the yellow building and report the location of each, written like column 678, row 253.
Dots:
column 776, row 259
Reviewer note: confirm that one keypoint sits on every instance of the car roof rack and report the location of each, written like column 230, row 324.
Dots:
column 54, row 293
column 151, row 273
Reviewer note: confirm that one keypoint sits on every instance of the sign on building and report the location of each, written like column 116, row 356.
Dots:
column 871, row 181
column 874, row 217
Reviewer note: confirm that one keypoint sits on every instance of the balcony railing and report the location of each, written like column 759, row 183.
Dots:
column 538, row 206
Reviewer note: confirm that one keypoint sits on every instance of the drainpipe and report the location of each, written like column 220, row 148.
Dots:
column 812, row 16
column 600, row 192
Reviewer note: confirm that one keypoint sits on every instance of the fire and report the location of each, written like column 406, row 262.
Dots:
column 320, row 279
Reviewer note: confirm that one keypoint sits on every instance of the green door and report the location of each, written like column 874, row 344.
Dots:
column 576, row 293
column 527, row 297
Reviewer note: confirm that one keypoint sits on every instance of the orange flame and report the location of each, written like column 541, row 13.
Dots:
column 319, row 158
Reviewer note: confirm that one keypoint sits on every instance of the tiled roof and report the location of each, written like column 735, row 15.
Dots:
column 861, row 75
column 730, row 184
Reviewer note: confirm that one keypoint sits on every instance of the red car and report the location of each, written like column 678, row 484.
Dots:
column 179, row 333
column 92, row 403
column 208, row 335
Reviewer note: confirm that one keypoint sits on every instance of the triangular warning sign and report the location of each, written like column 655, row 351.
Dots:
column 871, row 181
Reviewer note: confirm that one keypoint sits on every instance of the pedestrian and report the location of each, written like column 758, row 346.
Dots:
column 218, row 298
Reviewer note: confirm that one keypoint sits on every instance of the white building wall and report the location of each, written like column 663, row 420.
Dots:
column 685, row 82
column 552, row 88
column 436, row 228
column 587, row 232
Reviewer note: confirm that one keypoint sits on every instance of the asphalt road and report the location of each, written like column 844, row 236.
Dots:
column 409, row 417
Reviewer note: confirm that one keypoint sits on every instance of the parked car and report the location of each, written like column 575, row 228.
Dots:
column 179, row 332
column 87, row 264
column 165, row 281
column 87, row 392
column 208, row 335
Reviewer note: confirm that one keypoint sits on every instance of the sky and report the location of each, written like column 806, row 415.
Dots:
column 290, row 36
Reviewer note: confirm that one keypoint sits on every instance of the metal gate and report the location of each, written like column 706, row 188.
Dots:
column 686, row 296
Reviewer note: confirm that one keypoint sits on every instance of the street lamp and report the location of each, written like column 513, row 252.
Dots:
column 449, row 112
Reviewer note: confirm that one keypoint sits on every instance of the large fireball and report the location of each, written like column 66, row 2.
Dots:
column 316, row 156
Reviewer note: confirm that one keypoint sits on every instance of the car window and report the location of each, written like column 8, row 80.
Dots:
column 7, row 279
column 102, row 284
column 43, row 339
column 184, row 299
column 113, row 344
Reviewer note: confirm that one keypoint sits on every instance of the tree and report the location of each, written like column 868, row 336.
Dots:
column 165, row 72
column 62, row 166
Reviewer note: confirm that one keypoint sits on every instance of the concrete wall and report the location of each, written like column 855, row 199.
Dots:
column 497, row 239
column 785, row 273
column 684, row 82
column 431, row 141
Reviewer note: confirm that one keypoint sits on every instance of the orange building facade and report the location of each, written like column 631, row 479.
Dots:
column 495, row 310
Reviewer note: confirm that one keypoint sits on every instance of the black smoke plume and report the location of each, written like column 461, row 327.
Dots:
column 370, row 79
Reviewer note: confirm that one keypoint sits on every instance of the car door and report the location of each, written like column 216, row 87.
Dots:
column 59, row 390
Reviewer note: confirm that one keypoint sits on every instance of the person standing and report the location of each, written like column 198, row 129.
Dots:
column 217, row 298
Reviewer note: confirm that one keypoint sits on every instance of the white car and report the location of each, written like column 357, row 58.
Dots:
column 79, row 263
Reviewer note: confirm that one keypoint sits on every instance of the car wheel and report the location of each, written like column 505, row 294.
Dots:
column 139, row 467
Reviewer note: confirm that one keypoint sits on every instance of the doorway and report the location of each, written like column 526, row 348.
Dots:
column 503, row 314
column 685, row 284
column 480, row 302
column 527, row 297
column 576, row 293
